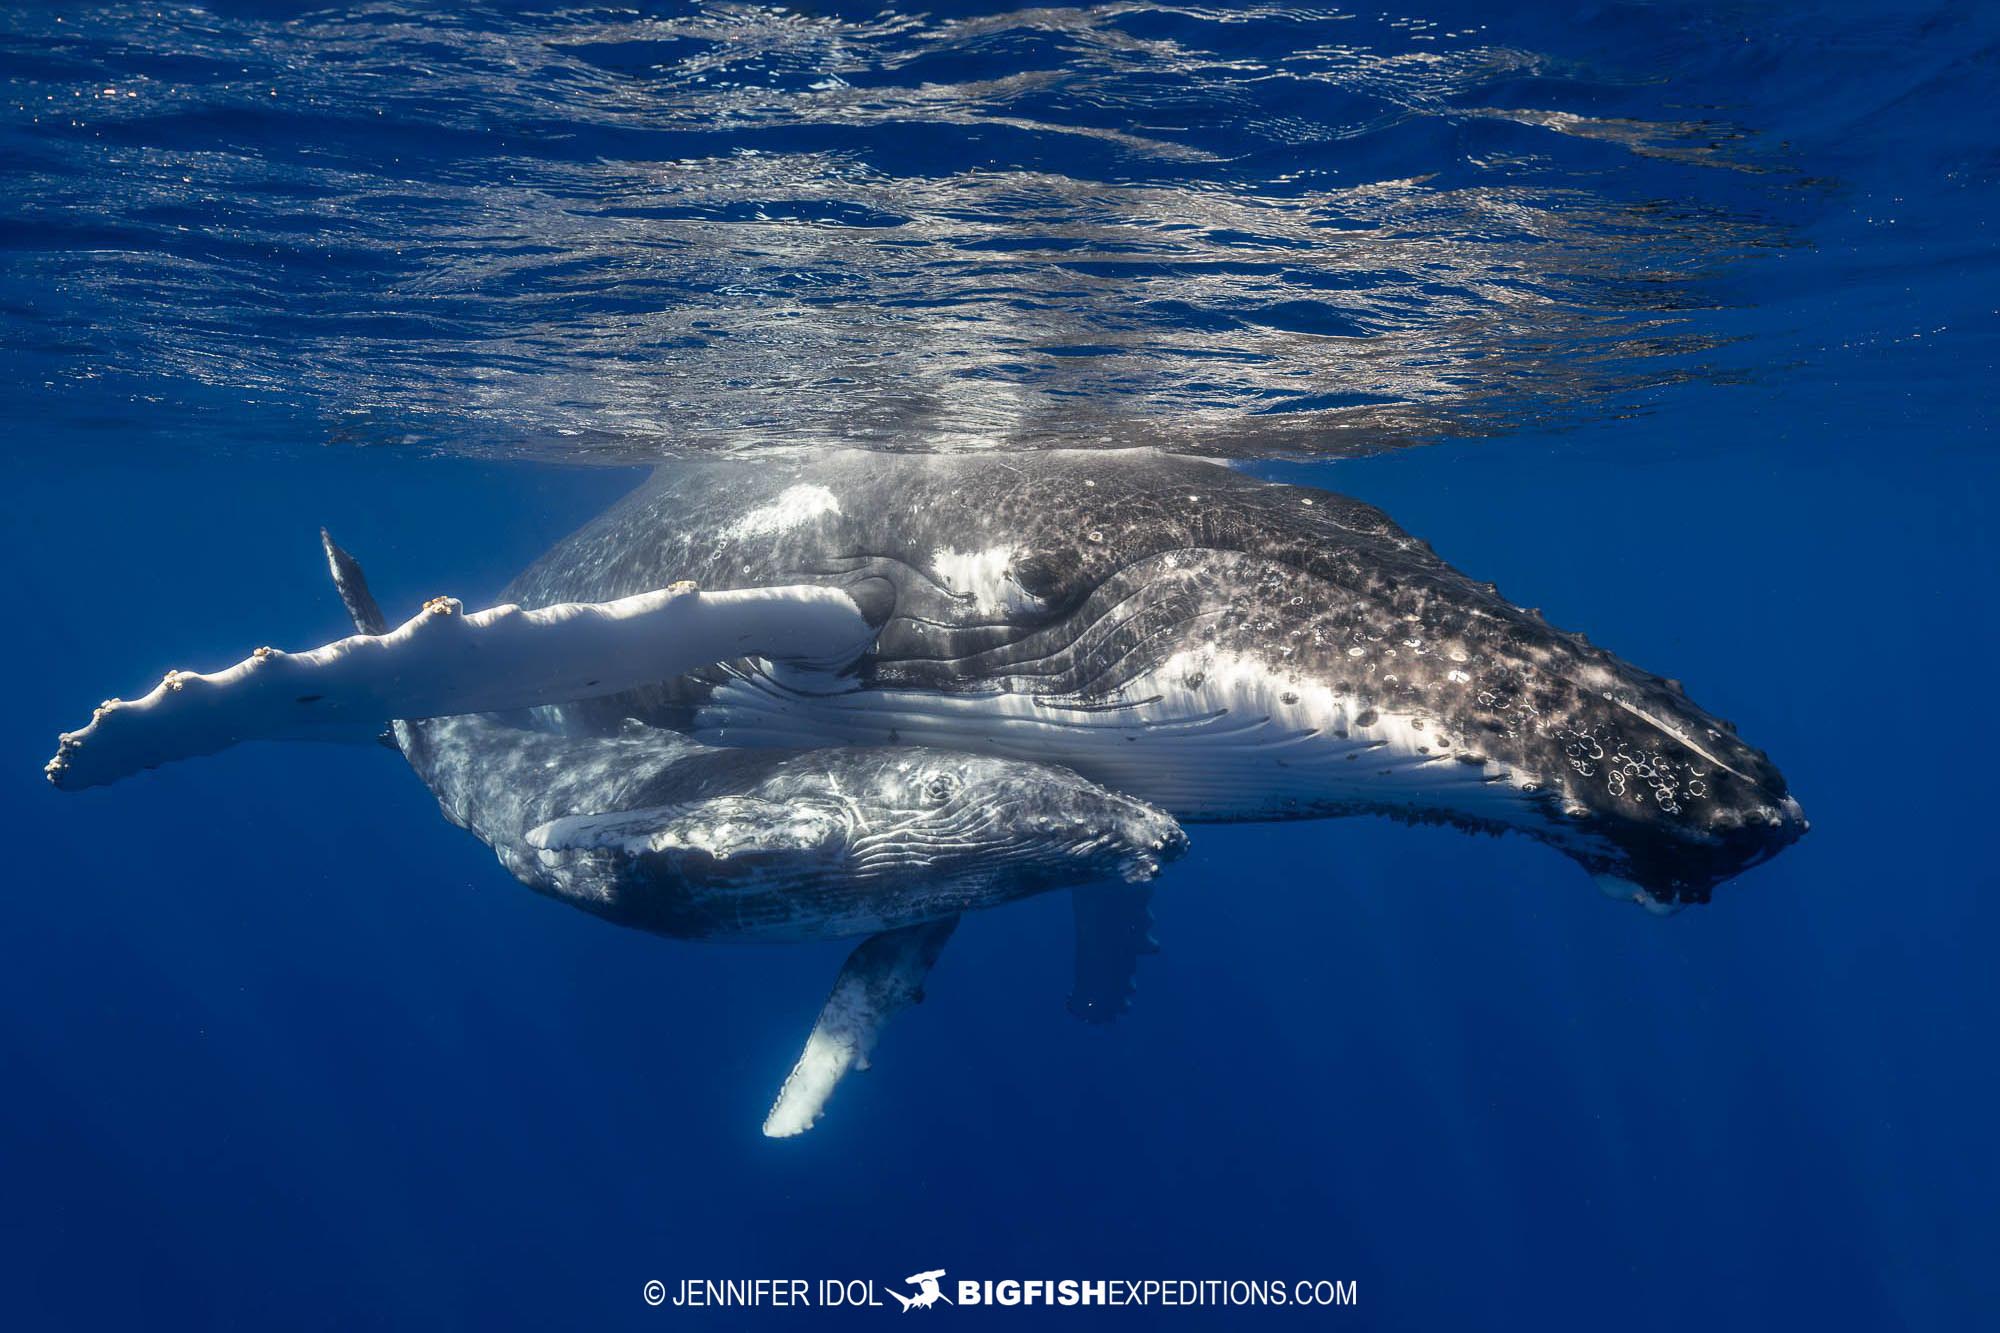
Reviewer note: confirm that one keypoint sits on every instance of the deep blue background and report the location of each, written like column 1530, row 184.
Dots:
column 281, row 1049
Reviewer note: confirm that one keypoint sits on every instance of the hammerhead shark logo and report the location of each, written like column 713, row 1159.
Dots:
column 927, row 1291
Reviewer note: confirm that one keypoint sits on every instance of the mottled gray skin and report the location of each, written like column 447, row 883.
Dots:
column 1120, row 562
column 779, row 844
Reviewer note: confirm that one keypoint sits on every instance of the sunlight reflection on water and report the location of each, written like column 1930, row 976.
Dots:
column 1251, row 232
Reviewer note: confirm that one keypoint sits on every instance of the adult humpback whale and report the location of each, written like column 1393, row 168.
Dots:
column 1223, row 647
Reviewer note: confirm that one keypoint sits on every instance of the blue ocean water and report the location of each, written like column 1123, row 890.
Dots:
column 1677, row 321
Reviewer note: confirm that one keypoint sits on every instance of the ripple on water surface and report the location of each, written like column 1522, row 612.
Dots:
column 1250, row 230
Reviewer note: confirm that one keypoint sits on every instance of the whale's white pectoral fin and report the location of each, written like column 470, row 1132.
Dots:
column 882, row 977
column 444, row 662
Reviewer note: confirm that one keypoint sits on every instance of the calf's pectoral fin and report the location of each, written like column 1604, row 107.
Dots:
column 882, row 977
column 1114, row 926
column 444, row 661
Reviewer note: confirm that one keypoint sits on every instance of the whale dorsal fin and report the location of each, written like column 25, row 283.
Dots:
column 1114, row 927
column 352, row 585
column 882, row 977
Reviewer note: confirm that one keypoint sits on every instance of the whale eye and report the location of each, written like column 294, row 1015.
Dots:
column 940, row 789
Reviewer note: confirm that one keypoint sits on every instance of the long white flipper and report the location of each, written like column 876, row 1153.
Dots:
column 443, row 662
column 881, row 978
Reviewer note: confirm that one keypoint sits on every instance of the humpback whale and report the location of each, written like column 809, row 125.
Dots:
column 1067, row 651
column 1223, row 647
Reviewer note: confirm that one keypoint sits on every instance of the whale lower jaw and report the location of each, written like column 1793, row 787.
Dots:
column 1205, row 736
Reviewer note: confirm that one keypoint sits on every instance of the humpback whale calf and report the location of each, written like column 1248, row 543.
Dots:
column 649, row 829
